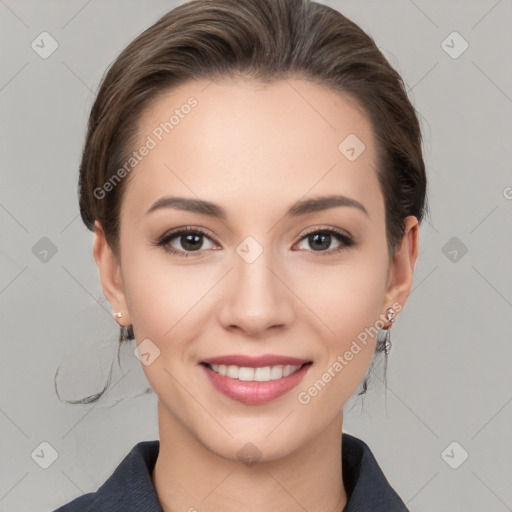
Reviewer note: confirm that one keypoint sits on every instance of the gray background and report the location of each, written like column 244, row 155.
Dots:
column 449, row 370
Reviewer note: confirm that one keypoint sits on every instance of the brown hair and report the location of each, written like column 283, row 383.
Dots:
column 265, row 40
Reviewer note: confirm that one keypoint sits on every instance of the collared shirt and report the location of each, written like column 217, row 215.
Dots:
column 130, row 488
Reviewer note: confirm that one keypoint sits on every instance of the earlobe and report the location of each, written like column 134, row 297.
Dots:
column 110, row 276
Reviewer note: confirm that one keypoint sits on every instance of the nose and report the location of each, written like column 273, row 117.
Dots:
column 256, row 299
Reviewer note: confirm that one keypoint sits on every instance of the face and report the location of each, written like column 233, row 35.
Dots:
column 264, row 275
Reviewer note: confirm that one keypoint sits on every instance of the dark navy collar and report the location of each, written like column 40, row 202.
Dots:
column 130, row 488
column 365, row 484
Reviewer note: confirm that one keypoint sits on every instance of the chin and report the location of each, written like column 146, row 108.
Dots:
column 250, row 450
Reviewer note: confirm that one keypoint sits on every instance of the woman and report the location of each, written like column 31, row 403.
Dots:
column 254, row 178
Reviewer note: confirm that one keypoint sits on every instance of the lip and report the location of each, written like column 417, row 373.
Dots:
column 255, row 362
column 254, row 392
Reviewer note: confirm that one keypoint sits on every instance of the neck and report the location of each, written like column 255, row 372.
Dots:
column 190, row 477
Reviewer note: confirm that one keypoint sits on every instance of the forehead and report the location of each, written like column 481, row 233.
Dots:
column 237, row 136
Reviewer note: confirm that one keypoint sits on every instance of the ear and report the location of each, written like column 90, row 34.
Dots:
column 110, row 275
column 401, row 269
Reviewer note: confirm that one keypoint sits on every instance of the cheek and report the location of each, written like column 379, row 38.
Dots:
column 349, row 315
column 164, row 304
column 345, row 298
column 160, row 296
column 345, row 302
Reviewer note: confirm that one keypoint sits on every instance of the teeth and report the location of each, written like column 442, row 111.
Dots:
column 232, row 371
column 262, row 374
column 289, row 369
column 246, row 373
column 276, row 372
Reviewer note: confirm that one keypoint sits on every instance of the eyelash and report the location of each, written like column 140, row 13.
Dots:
column 346, row 241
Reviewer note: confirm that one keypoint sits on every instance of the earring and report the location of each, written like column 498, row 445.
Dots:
column 118, row 314
column 387, row 343
column 390, row 313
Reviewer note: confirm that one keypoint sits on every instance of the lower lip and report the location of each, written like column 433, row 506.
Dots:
column 255, row 392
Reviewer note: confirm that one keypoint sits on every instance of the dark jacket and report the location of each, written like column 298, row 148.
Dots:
column 130, row 489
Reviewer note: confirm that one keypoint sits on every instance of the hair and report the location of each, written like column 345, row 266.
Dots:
column 267, row 41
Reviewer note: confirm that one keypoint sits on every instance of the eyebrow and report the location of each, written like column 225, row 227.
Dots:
column 299, row 208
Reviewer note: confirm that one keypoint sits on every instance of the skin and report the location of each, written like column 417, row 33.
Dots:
column 254, row 150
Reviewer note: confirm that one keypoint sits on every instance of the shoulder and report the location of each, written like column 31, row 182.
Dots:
column 129, row 488
column 367, row 487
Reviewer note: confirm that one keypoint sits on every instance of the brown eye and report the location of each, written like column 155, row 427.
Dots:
column 183, row 242
column 321, row 240
column 190, row 242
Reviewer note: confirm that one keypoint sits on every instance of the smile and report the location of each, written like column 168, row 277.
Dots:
column 259, row 374
column 255, row 381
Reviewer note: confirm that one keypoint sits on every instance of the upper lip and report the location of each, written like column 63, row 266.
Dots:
column 255, row 362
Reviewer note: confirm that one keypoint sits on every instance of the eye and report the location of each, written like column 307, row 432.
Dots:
column 321, row 239
column 185, row 241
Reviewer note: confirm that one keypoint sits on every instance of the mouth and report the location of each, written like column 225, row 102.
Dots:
column 252, row 383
